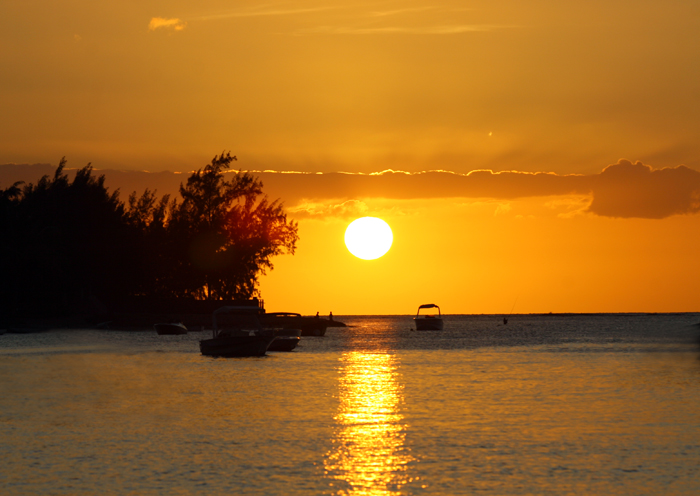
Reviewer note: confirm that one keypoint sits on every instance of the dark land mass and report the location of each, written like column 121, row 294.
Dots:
column 136, row 314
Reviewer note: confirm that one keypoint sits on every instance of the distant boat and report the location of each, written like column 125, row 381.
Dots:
column 171, row 328
column 287, row 340
column 310, row 326
column 242, row 336
column 428, row 322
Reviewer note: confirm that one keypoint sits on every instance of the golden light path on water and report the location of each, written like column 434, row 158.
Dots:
column 369, row 456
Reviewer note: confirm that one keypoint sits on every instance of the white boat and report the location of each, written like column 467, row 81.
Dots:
column 428, row 322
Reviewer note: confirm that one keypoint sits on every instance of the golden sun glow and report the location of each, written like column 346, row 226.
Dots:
column 368, row 238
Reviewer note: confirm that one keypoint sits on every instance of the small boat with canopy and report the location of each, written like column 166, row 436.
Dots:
column 428, row 322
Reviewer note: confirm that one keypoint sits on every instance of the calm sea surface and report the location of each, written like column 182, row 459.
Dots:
column 564, row 404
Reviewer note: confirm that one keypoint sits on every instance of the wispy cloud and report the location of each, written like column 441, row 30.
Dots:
column 362, row 23
column 427, row 30
column 349, row 208
column 261, row 13
column 386, row 13
column 163, row 23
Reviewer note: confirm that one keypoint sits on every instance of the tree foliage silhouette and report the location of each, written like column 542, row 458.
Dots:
column 227, row 232
column 63, row 241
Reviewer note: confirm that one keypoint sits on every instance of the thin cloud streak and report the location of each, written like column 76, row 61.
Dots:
column 342, row 30
column 444, row 29
column 346, row 209
column 262, row 13
column 400, row 11
column 437, row 30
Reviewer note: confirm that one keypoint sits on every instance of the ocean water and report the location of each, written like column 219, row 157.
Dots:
column 560, row 404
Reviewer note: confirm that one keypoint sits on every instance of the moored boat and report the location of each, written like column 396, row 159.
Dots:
column 287, row 340
column 242, row 336
column 309, row 326
column 428, row 322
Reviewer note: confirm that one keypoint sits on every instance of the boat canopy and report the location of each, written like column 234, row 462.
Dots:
column 281, row 314
column 246, row 317
column 428, row 305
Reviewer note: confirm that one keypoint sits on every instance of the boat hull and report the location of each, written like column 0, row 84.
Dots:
column 318, row 329
column 428, row 323
column 286, row 343
column 309, row 326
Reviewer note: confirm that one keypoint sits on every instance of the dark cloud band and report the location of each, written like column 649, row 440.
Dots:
column 624, row 189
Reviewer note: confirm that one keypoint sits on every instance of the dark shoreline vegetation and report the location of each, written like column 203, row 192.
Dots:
column 142, row 313
column 74, row 254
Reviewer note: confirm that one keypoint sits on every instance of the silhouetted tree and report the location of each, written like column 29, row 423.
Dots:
column 63, row 242
column 10, row 250
column 155, row 256
column 226, row 232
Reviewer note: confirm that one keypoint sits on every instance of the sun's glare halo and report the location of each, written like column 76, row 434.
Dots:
column 368, row 238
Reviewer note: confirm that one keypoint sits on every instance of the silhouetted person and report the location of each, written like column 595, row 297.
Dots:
column 317, row 316
column 330, row 317
column 505, row 320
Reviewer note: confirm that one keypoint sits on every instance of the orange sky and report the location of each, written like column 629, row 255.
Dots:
column 362, row 87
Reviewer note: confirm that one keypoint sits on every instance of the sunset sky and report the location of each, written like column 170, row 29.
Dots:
column 529, row 156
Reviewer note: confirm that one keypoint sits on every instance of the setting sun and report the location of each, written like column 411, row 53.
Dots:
column 368, row 238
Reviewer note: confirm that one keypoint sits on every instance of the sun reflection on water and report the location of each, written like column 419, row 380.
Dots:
column 369, row 456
